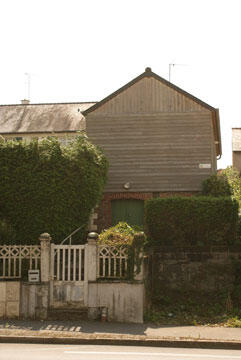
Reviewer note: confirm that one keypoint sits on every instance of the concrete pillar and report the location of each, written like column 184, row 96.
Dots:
column 139, row 273
column 45, row 239
column 138, row 243
column 92, row 256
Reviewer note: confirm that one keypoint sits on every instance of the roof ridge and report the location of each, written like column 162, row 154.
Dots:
column 53, row 103
column 148, row 73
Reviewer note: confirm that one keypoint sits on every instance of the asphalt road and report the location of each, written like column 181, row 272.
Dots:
column 91, row 352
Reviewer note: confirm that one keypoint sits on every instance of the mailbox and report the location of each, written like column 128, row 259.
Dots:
column 33, row 275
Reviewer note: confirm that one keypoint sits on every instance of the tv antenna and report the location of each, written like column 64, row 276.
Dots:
column 170, row 69
column 27, row 83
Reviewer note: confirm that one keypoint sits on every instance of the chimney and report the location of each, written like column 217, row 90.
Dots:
column 25, row 102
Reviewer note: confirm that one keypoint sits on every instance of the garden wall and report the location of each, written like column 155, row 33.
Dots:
column 193, row 268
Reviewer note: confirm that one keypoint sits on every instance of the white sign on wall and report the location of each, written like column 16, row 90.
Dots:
column 205, row 166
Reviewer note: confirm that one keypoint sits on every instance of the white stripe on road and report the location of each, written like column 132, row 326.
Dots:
column 152, row 354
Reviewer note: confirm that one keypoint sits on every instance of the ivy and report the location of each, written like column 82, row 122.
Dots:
column 48, row 187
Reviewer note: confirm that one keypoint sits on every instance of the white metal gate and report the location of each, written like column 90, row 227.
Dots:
column 68, row 285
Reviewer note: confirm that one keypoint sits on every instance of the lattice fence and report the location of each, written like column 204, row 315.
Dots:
column 113, row 261
column 12, row 258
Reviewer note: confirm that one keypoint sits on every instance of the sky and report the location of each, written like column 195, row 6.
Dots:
column 83, row 50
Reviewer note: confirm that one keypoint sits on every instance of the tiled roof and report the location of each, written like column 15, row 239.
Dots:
column 31, row 118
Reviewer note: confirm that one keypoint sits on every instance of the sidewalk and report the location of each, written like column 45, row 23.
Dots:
column 83, row 332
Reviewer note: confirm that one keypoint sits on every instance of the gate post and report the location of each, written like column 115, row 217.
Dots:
column 45, row 239
column 90, row 263
column 92, row 256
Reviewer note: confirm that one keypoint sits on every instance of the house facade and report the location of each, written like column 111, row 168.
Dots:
column 236, row 148
column 159, row 140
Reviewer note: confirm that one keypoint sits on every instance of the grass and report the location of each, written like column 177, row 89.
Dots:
column 190, row 308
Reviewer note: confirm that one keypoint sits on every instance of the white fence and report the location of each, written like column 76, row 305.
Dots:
column 68, row 262
column 12, row 256
column 112, row 261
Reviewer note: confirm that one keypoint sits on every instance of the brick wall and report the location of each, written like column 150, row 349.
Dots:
column 103, row 211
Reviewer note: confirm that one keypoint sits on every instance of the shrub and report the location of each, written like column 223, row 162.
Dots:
column 216, row 185
column 225, row 183
column 200, row 221
column 120, row 234
column 47, row 187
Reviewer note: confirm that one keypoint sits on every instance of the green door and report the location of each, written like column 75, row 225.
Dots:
column 130, row 211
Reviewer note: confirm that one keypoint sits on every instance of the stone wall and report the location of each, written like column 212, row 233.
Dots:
column 9, row 299
column 202, row 269
column 124, row 301
column 34, row 301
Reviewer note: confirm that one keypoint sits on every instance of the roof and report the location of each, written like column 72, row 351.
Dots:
column 149, row 73
column 42, row 118
column 70, row 117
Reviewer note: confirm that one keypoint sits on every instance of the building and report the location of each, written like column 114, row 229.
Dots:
column 159, row 140
column 236, row 148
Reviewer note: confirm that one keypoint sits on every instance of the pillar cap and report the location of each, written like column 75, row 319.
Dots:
column 93, row 235
column 45, row 236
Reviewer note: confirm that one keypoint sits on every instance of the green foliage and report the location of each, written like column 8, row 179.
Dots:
column 224, row 183
column 123, row 234
column 120, row 234
column 47, row 187
column 199, row 221
column 189, row 307
column 216, row 185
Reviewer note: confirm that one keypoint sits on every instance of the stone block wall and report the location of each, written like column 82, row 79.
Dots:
column 34, row 300
column 201, row 269
column 9, row 299
column 124, row 301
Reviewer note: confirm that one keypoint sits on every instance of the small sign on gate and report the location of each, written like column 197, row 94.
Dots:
column 33, row 275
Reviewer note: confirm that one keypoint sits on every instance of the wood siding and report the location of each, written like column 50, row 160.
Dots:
column 236, row 146
column 148, row 96
column 236, row 139
column 237, row 160
column 155, row 138
column 155, row 152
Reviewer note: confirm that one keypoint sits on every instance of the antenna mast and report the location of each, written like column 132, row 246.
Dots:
column 28, row 80
column 170, row 69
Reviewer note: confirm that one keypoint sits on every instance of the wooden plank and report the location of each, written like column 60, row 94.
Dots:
column 74, row 264
column 149, row 94
column 69, row 265
column 63, row 265
column 80, row 254
column 145, row 148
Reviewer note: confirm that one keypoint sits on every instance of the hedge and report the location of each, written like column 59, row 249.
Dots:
column 225, row 183
column 47, row 187
column 192, row 221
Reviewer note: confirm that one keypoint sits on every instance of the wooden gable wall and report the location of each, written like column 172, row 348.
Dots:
column 149, row 96
column 155, row 138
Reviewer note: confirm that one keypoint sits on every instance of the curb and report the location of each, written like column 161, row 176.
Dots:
column 204, row 344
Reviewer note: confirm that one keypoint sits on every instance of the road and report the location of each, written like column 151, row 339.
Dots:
column 92, row 352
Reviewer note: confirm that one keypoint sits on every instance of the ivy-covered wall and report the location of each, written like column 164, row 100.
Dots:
column 47, row 187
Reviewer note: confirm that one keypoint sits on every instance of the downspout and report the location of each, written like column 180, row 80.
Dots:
column 218, row 134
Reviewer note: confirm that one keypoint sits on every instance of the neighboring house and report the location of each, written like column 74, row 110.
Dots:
column 26, row 121
column 236, row 148
column 159, row 140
